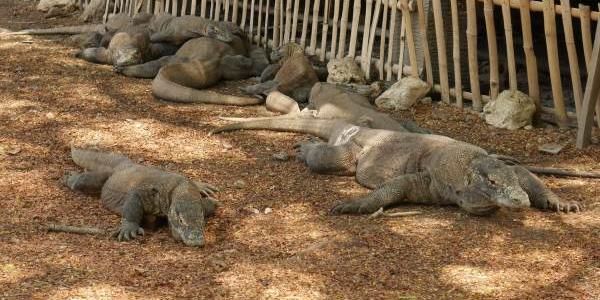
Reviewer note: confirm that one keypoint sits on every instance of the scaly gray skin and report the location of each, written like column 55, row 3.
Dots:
column 407, row 167
column 140, row 193
column 177, row 30
column 327, row 101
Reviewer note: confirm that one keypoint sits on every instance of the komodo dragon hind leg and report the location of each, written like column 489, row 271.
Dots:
column 540, row 196
column 327, row 159
column 87, row 182
column 145, row 70
column 410, row 188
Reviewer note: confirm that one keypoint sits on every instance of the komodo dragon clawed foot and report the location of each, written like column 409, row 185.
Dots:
column 127, row 231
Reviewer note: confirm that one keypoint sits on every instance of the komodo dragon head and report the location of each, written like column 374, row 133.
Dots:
column 186, row 215
column 490, row 184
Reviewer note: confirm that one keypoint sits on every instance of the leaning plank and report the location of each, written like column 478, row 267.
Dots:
column 572, row 54
column 530, row 58
column 590, row 97
column 488, row 9
column 472, row 50
column 424, row 42
column 553, row 63
column 586, row 33
column 354, row 29
column 410, row 40
column 510, row 48
column 441, row 45
column 456, row 53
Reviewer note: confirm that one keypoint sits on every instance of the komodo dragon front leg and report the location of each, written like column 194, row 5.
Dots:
column 133, row 214
column 409, row 188
column 146, row 70
column 87, row 182
column 540, row 196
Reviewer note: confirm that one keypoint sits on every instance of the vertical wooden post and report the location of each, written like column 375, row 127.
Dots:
column 441, row 45
column 343, row 29
column 288, row 21
column 295, row 21
column 530, row 59
column 382, row 38
column 251, row 31
column 389, row 66
column 276, row 19
column 266, row 41
column 211, row 14
column 488, row 9
column 244, row 14
column 410, row 40
column 174, row 7
column 402, row 46
column 203, row 8
column 572, row 54
column 323, row 54
column 313, row 32
column 305, row 24
column 354, row 30
column 472, row 49
column 456, row 53
column 226, row 15
column 590, row 97
column 510, row 47
column 372, row 38
column 553, row 64
column 218, row 10
column 183, row 8
column 105, row 16
column 334, row 31
column 193, row 8
column 364, row 60
column 282, row 22
column 234, row 13
column 259, row 27
column 425, row 43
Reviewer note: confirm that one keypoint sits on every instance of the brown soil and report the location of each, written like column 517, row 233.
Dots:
column 50, row 100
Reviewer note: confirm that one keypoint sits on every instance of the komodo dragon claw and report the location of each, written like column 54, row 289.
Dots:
column 206, row 189
column 127, row 231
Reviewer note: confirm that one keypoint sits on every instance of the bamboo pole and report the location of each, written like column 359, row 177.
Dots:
column 148, row 6
column 288, row 21
column 266, row 37
column 115, row 7
column 212, row 9
column 168, row 6
column 372, row 38
column 402, row 45
column 305, row 24
column 282, row 22
column 343, row 29
column 472, row 50
column 295, row 21
column 245, row 13
column 193, row 8
column 539, row 6
column 325, row 30
column 590, row 97
column 259, row 26
column 510, row 46
column 234, row 13
column 106, row 8
column 572, row 55
column 203, row 8
column 586, row 33
column 251, row 31
column 390, row 51
column 313, row 32
column 334, row 31
column 226, row 16
column 530, row 58
column 441, row 46
column 424, row 42
column 366, row 33
column 184, row 5
column 553, row 64
column 276, row 28
column 383, row 38
column 218, row 10
column 354, row 30
column 174, row 7
column 456, row 53
column 488, row 9
column 412, row 51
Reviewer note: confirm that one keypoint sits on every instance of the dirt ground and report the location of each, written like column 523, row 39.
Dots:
column 49, row 100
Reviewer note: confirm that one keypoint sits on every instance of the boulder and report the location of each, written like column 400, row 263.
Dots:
column 45, row 5
column 403, row 94
column 345, row 70
column 511, row 110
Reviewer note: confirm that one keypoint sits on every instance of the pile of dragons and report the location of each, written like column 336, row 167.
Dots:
column 399, row 161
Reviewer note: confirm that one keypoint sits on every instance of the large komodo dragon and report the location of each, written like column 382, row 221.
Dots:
column 198, row 64
column 407, row 167
column 141, row 193
column 328, row 101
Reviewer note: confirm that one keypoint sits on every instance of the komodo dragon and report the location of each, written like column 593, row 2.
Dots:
column 327, row 101
column 407, row 167
column 141, row 193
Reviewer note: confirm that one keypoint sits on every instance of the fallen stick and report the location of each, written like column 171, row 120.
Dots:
column 380, row 212
column 75, row 229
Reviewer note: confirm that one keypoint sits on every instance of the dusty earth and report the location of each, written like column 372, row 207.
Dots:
column 50, row 100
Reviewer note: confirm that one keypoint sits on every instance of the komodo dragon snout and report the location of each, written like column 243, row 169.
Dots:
column 186, row 216
column 490, row 186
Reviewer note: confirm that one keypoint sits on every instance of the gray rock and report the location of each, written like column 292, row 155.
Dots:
column 403, row 94
column 345, row 70
column 511, row 110
column 551, row 148
column 281, row 156
column 239, row 184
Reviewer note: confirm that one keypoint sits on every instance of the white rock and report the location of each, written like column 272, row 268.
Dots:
column 345, row 70
column 511, row 110
column 45, row 5
column 403, row 94
column 268, row 210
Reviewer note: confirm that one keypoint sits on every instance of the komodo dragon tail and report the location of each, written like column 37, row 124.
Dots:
column 97, row 160
column 318, row 127
column 164, row 88
column 61, row 30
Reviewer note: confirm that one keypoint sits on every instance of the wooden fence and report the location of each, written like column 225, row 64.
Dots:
column 438, row 40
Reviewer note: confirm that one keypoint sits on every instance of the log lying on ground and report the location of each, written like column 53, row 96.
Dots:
column 76, row 229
